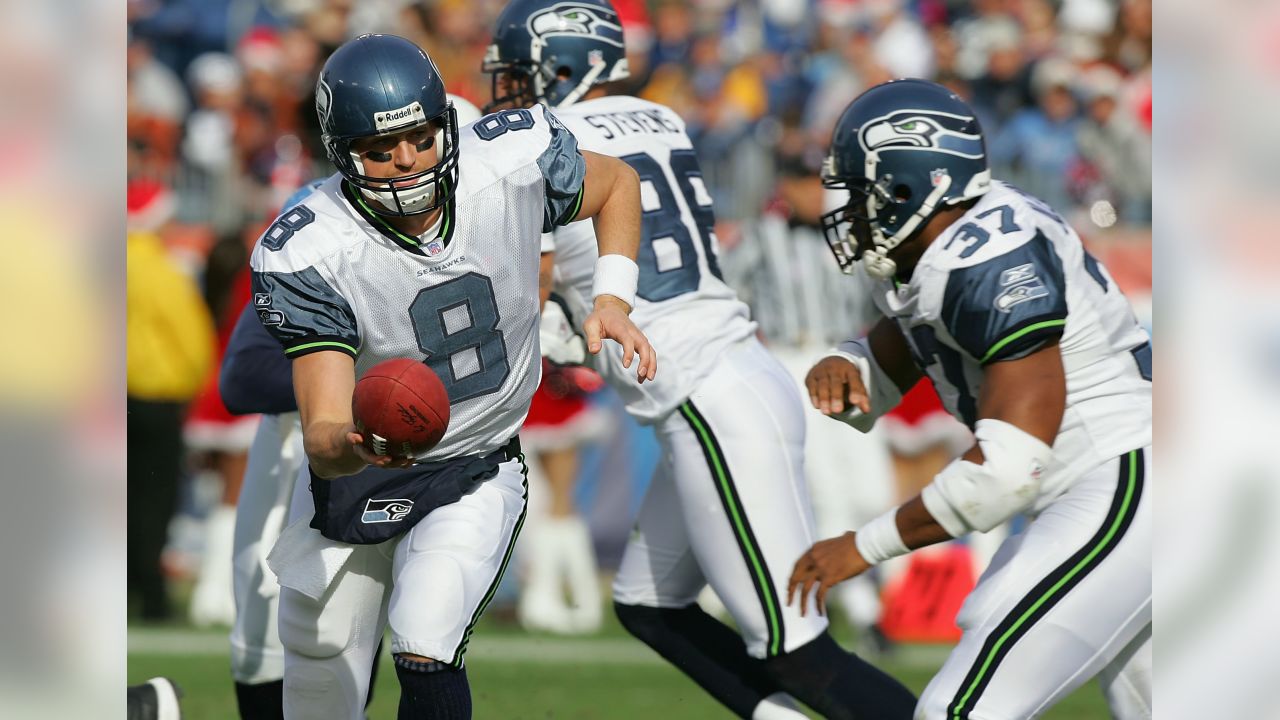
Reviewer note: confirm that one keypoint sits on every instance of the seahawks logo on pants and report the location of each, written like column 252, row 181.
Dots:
column 380, row 511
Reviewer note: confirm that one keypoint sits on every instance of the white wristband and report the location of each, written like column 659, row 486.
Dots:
column 879, row 540
column 616, row 275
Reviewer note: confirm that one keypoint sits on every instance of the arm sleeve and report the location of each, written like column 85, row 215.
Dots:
column 1009, row 306
column 304, row 313
column 563, row 170
column 256, row 377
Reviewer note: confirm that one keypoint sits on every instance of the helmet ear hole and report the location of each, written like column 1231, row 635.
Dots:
column 564, row 72
column 901, row 192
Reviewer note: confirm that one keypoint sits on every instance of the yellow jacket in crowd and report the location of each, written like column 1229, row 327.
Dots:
column 169, row 329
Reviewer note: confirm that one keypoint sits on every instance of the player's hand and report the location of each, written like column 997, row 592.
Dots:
column 835, row 381
column 369, row 458
column 610, row 320
column 826, row 563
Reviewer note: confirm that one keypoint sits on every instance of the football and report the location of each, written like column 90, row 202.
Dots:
column 401, row 408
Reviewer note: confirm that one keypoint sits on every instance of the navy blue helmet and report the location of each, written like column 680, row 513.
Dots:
column 904, row 150
column 380, row 85
column 554, row 52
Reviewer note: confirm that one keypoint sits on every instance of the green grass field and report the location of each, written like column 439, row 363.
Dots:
column 521, row 676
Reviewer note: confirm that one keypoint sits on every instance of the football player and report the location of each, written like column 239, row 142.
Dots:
column 424, row 244
column 1030, row 343
column 255, row 377
column 728, row 503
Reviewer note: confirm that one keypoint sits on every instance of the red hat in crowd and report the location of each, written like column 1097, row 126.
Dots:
column 149, row 204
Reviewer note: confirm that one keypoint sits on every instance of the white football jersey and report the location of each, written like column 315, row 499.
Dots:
column 330, row 274
column 1004, row 279
column 682, row 305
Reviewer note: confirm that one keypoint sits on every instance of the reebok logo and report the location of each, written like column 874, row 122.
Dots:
column 1018, row 275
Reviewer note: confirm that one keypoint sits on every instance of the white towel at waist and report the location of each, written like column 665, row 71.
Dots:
column 306, row 561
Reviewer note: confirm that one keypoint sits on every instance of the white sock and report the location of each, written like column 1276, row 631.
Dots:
column 213, row 600
column 578, row 560
column 542, row 605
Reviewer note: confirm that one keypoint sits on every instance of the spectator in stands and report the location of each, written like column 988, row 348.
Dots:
column 1003, row 88
column 1112, row 141
column 1037, row 148
column 170, row 350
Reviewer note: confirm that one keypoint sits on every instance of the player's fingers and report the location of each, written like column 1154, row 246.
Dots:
column 821, row 601
column 648, row 359
column 806, row 591
column 860, row 401
column 592, row 328
column 628, row 349
column 797, row 576
column 800, row 580
column 370, row 458
column 824, row 393
column 857, row 391
column 811, row 384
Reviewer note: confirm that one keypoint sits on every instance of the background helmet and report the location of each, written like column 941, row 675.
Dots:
column 904, row 150
column 464, row 110
column 378, row 85
column 560, row 49
column 300, row 194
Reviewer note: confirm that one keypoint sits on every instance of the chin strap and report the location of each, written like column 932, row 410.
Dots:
column 587, row 81
column 877, row 259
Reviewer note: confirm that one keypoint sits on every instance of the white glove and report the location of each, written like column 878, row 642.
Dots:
column 560, row 344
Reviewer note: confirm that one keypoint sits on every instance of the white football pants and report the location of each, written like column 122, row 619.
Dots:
column 430, row 584
column 850, row 476
column 274, row 460
column 728, row 504
column 1067, row 599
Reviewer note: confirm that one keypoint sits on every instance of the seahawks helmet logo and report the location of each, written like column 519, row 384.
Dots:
column 324, row 103
column 923, row 130
column 569, row 19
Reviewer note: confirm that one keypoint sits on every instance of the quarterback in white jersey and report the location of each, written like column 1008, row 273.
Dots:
column 728, row 505
column 1030, row 343
column 424, row 245
column 255, row 377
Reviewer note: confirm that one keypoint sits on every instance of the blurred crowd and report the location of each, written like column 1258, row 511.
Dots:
column 221, row 129
column 220, row 92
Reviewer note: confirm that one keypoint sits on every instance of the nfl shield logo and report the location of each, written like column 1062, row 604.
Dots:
column 434, row 248
column 935, row 176
column 595, row 57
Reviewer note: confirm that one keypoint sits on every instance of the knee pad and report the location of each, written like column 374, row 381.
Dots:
column 254, row 666
column 438, row 578
column 307, row 630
